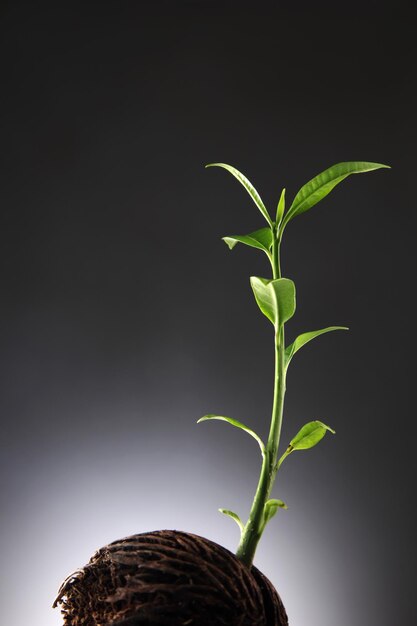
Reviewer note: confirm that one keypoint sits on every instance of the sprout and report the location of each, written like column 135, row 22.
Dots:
column 275, row 297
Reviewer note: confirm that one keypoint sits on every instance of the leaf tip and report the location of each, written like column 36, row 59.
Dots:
column 379, row 166
column 203, row 419
column 230, row 243
column 331, row 430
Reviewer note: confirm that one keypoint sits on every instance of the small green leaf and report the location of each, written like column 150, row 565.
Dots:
column 270, row 509
column 281, row 207
column 322, row 184
column 309, row 436
column 248, row 186
column 234, row 517
column 233, row 422
column 305, row 338
column 275, row 298
column 261, row 239
column 272, row 506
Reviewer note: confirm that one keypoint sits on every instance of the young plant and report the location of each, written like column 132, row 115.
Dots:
column 275, row 297
column 174, row 577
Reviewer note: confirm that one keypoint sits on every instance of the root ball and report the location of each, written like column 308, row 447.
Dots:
column 168, row 578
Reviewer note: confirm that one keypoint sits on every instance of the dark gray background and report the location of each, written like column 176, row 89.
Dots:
column 125, row 318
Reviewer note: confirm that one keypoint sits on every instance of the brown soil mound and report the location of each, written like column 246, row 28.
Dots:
column 168, row 578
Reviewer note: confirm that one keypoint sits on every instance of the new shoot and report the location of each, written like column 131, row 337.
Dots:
column 275, row 297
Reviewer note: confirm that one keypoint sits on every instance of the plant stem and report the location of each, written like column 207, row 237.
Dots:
column 255, row 525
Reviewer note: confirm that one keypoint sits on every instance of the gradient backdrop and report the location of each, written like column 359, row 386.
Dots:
column 125, row 317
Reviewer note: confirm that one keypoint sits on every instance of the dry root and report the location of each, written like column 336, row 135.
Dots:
column 168, row 578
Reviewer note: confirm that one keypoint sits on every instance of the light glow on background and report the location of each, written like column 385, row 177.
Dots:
column 89, row 493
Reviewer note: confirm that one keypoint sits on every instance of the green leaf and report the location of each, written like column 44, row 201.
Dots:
column 309, row 436
column 248, row 186
column 275, row 298
column 234, row 517
column 261, row 239
column 270, row 509
column 272, row 506
column 233, row 422
column 322, row 184
column 305, row 338
column 281, row 207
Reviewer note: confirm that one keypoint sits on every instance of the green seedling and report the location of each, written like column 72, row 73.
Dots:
column 275, row 297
